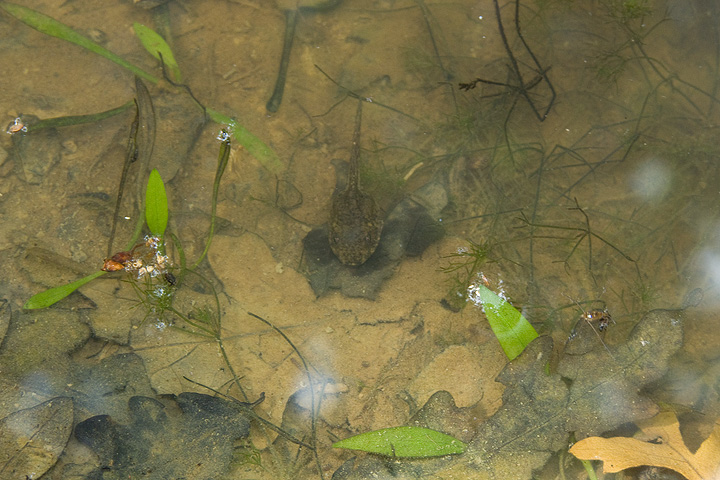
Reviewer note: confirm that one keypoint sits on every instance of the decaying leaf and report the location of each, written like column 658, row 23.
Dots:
column 603, row 393
column 606, row 383
column 34, row 363
column 31, row 440
column 694, row 381
column 194, row 441
column 105, row 386
column 666, row 449
column 591, row 393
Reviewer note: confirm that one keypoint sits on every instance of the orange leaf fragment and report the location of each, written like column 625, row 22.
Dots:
column 667, row 450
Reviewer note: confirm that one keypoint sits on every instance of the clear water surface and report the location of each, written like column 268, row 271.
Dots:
column 580, row 171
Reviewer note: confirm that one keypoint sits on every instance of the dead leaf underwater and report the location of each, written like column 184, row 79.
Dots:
column 589, row 394
column 191, row 436
column 31, row 440
column 666, row 449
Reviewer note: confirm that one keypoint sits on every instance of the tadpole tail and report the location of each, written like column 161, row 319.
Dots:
column 353, row 180
column 291, row 18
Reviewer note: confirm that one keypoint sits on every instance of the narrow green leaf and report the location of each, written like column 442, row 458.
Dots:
column 156, row 204
column 223, row 158
column 55, row 294
column 511, row 329
column 264, row 154
column 404, row 442
column 50, row 26
column 589, row 470
column 158, row 48
column 67, row 120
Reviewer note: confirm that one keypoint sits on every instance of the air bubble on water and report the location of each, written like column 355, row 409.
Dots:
column 223, row 136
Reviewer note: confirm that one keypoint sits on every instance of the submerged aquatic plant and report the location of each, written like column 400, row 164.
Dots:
column 408, row 441
column 510, row 327
column 54, row 28
column 626, row 10
column 145, row 258
column 158, row 48
column 156, row 205
column 462, row 270
column 53, row 295
column 153, row 277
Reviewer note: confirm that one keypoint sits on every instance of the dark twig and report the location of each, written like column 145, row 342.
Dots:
column 521, row 87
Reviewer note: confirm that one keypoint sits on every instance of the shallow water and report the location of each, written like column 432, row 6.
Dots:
column 611, row 201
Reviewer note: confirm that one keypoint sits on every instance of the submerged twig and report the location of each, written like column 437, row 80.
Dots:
column 446, row 73
column 291, row 19
column 521, row 87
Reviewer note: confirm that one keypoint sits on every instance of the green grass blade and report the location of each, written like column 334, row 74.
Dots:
column 511, row 329
column 156, row 204
column 264, row 154
column 50, row 26
column 55, row 294
column 401, row 442
column 158, row 48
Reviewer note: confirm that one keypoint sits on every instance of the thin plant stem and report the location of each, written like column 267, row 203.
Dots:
column 313, row 413
column 222, row 163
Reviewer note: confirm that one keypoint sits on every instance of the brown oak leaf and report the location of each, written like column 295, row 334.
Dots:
column 667, row 449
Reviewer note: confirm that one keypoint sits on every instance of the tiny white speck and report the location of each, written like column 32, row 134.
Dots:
column 223, row 136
